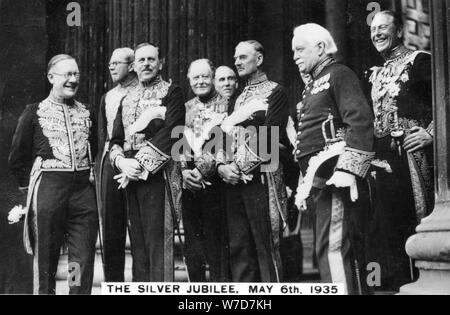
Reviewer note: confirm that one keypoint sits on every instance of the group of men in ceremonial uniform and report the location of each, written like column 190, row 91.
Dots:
column 369, row 170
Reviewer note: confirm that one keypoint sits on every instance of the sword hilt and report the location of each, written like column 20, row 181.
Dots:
column 329, row 123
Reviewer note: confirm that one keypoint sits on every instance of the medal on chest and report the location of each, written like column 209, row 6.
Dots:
column 321, row 84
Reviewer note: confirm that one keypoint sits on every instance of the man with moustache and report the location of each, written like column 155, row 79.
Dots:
column 110, row 200
column 402, row 103
column 252, row 199
column 340, row 192
column 226, row 82
column 51, row 157
column 145, row 160
column 203, row 211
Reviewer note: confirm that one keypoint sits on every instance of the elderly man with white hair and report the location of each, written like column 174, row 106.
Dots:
column 334, row 110
column 203, row 205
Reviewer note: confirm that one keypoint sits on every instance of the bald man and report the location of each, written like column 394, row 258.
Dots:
column 226, row 82
column 110, row 200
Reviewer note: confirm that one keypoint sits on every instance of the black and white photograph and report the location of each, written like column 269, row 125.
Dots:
column 230, row 148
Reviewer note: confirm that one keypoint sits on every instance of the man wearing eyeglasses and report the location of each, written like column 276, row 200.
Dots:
column 110, row 200
column 144, row 160
column 404, row 132
column 52, row 159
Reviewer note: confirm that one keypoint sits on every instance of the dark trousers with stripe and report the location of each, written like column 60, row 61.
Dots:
column 205, row 232
column 250, row 235
column 146, row 210
column 66, row 210
column 341, row 229
column 114, row 225
column 394, row 219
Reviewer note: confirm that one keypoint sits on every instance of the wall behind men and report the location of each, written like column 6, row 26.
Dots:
column 185, row 30
column 191, row 29
column 23, row 46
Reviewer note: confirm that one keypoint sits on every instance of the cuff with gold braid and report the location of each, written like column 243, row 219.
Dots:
column 116, row 151
column 151, row 158
column 355, row 162
column 183, row 162
column 246, row 159
column 221, row 158
column 206, row 165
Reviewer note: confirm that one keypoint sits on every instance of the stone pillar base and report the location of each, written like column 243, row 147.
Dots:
column 434, row 280
column 430, row 248
column 438, row 221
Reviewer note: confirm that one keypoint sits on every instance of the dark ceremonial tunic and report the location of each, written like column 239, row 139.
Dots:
column 402, row 99
column 340, row 223
column 50, row 155
column 253, row 208
column 110, row 200
column 204, row 217
column 152, row 203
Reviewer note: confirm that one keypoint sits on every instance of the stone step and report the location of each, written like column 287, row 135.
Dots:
column 62, row 274
column 310, row 272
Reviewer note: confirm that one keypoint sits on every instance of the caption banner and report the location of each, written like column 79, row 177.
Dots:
column 278, row 289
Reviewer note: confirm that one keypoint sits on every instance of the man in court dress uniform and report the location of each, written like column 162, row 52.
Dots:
column 254, row 199
column 203, row 204
column 51, row 157
column 110, row 200
column 144, row 160
column 402, row 104
column 334, row 109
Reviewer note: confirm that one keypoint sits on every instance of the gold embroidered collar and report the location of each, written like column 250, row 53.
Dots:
column 68, row 102
column 317, row 70
column 258, row 79
column 211, row 97
column 397, row 53
column 152, row 83
column 129, row 84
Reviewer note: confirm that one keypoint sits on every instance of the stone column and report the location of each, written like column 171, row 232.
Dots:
column 430, row 247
